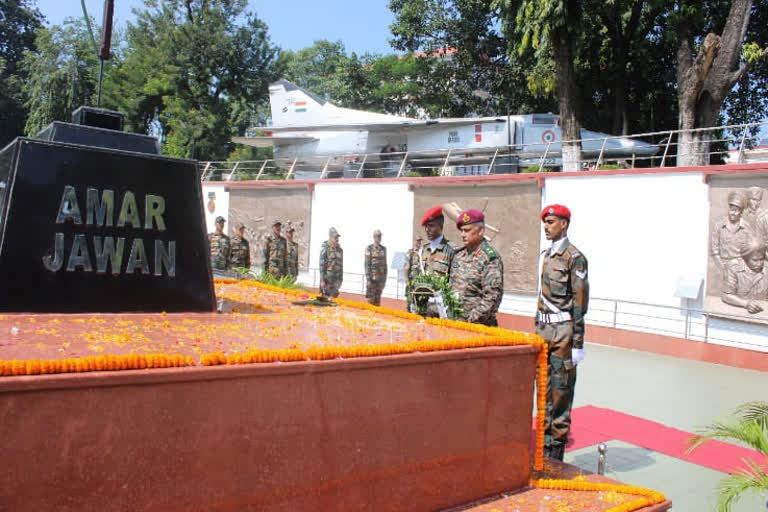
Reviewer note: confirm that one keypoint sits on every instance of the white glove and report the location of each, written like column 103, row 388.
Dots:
column 577, row 355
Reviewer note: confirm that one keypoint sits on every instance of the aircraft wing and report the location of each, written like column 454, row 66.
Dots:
column 384, row 127
column 267, row 141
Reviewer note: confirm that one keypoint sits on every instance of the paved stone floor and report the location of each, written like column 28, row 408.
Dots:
column 678, row 393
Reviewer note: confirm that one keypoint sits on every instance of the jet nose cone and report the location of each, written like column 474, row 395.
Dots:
column 639, row 147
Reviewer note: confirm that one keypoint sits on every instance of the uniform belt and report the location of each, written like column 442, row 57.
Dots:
column 553, row 318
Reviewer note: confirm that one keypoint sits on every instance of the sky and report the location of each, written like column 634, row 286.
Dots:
column 295, row 24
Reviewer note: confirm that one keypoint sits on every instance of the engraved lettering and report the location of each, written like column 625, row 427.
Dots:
column 68, row 207
column 79, row 256
column 105, row 251
column 137, row 258
column 154, row 208
column 165, row 258
column 54, row 264
column 100, row 211
column 129, row 212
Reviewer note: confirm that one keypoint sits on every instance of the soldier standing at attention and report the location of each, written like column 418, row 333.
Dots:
column 220, row 246
column 477, row 272
column 274, row 252
column 241, row 249
column 375, row 269
column 331, row 265
column 291, row 254
column 563, row 300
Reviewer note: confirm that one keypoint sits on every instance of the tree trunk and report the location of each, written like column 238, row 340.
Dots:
column 568, row 101
column 704, row 82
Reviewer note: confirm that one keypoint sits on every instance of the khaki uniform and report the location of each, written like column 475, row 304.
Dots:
column 375, row 273
column 220, row 251
column 275, row 255
column 292, row 259
column 741, row 281
column 331, row 269
column 477, row 278
column 563, row 301
column 240, row 252
column 727, row 241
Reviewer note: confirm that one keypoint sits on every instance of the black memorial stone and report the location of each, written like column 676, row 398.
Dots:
column 86, row 229
column 70, row 133
column 98, row 117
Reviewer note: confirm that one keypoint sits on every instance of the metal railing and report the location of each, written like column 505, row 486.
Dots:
column 728, row 142
column 688, row 322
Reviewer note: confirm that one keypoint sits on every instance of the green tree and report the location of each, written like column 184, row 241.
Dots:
column 18, row 22
column 750, row 428
column 711, row 59
column 192, row 67
column 61, row 75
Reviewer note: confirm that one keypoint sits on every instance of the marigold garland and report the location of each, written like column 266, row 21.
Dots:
column 15, row 367
column 647, row 496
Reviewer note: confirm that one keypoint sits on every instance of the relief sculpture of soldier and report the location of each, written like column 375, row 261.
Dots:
column 375, row 269
column 274, row 252
column 562, row 304
column 241, row 249
column 291, row 254
column 220, row 246
column 411, row 267
column 477, row 272
column 746, row 283
column 331, row 265
column 730, row 233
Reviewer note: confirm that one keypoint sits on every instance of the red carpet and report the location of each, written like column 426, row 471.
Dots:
column 592, row 425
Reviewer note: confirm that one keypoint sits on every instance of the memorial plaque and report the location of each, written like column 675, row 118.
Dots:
column 86, row 229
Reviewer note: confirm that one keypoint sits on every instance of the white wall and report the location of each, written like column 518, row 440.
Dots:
column 641, row 233
column 356, row 210
column 221, row 207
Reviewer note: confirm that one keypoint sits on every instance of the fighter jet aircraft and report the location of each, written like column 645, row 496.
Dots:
column 320, row 136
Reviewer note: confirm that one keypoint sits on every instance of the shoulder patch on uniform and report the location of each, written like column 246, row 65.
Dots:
column 490, row 252
column 580, row 274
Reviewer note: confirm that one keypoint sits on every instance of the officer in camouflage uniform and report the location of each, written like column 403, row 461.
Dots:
column 435, row 254
column 375, row 269
column 241, row 249
column 275, row 252
column 331, row 265
column 220, row 246
column 291, row 254
column 477, row 272
column 563, row 300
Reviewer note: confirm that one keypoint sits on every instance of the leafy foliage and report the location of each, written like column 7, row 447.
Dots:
column 286, row 282
column 749, row 428
column 424, row 286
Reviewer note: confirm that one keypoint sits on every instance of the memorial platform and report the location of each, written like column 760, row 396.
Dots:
column 266, row 406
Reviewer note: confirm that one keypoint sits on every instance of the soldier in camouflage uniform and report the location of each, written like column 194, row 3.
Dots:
column 477, row 272
column 241, row 249
column 375, row 269
column 563, row 300
column 410, row 268
column 275, row 252
column 331, row 265
column 220, row 246
column 435, row 254
column 291, row 254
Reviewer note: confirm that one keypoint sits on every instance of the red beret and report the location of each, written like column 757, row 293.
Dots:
column 556, row 209
column 433, row 213
column 470, row 216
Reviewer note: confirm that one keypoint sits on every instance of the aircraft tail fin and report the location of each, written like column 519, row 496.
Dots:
column 292, row 105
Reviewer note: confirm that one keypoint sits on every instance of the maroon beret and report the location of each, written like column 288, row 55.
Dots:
column 556, row 209
column 470, row 216
column 433, row 213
